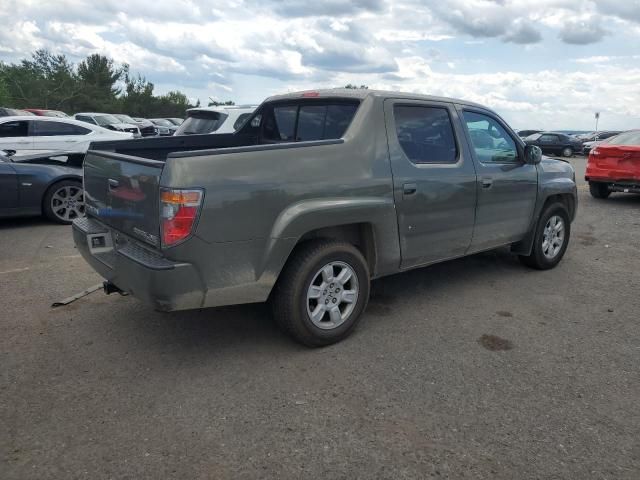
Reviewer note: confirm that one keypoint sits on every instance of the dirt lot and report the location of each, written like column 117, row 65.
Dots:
column 477, row 368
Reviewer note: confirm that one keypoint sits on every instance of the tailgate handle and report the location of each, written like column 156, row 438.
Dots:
column 113, row 184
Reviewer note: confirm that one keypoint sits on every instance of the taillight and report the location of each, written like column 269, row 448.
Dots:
column 179, row 211
column 595, row 152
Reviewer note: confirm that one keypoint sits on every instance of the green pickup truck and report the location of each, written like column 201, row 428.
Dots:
column 314, row 195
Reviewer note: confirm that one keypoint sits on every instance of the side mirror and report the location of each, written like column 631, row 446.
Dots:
column 532, row 154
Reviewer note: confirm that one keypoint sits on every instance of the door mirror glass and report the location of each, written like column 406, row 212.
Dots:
column 532, row 154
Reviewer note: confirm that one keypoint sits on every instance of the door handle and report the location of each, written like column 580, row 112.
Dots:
column 113, row 184
column 409, row 188
column 486, row 182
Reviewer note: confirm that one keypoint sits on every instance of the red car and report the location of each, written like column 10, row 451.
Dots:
column 42, row 112
column 615, row 166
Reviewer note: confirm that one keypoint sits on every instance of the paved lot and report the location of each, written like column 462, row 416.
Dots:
column 107, row 388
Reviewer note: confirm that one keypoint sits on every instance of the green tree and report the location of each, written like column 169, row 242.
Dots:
column 45, row 81
column 215, row 103
column 355, row 87
column 99, row 77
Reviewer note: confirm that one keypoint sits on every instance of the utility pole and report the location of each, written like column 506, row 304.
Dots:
column 597, row 118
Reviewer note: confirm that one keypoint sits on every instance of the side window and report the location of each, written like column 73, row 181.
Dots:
column 548, row 139
column 14, row 129
column 52, row 129
column 425, row 134
column 490, row 140
column 280, row 124
column 240, row 120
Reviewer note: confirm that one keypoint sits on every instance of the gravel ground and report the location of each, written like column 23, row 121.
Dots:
column 476, row 368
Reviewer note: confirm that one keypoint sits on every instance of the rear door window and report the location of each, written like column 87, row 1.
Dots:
column 425, row 134
column 51, row 129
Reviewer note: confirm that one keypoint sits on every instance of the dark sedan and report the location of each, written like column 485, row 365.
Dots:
column 49, row 184
column 555, row 143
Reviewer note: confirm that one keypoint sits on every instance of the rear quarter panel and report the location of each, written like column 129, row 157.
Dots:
column 259, row 202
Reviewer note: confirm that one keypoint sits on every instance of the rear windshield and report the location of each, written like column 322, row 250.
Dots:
column 307, row 121
column 627, row 138
column 103, row 120
column 535, row 136
column 201, row 122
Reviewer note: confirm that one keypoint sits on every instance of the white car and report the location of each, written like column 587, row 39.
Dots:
column 34, row 134
column 223, row 119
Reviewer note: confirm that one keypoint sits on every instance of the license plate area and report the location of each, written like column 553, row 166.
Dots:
column 99, row 243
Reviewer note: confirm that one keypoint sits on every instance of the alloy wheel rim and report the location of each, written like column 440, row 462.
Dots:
column 553, row 237
column 67, row 203
column 332, row 295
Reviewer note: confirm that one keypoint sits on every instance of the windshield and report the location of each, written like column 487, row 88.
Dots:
column 201, row 122
column 176, row 121
column 162, row 122
column 125, row 118
column 535, row 136
column 627, row 138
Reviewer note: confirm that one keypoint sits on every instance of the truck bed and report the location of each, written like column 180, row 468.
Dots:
column 158, row 148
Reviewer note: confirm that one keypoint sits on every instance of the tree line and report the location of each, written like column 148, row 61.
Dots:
column 96, row 84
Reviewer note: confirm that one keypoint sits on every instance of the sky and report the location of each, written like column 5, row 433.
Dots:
column 547, row 64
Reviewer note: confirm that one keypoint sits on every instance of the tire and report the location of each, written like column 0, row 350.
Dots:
column 547, row 252
column 567, row 152
column 64, row 201
column 294, row 302
column 599, row 190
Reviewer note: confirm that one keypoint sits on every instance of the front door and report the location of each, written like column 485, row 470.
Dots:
column 507, row 187
column 434, row 180
column 14, row 135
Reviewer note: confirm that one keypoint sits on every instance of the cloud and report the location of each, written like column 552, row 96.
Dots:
column 582, row 32
column 249, row 49
column 522, row 33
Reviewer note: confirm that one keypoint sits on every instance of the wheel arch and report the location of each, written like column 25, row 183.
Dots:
column 367, row 223
column 525, row 246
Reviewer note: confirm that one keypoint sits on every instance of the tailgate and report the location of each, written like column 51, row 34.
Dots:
column 122, row 192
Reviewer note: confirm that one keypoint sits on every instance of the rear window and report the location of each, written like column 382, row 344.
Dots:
column 307, row 121
column 201, row 122
column 627, row 138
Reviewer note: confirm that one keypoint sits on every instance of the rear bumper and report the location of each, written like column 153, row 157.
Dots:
column 164, row 284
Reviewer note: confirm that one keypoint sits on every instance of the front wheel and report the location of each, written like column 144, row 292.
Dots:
column 599, row 190
column 551, row 238
column 567, row 152
column 322, row 292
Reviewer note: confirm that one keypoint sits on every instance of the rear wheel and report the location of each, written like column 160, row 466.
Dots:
column 322, row 292
column 552, row 237
column 599, row 190
column 567, row 152
column 64, row 201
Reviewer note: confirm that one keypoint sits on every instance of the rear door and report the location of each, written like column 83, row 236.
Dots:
column 54, row 135
column 507, row 187
column 434, row 180
column 550, row 144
